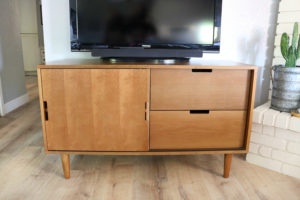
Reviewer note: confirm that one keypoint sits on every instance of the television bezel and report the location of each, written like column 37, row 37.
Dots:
column 215, row 47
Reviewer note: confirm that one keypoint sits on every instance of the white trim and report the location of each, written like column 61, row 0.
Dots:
column 1, row 100
column 15, row 103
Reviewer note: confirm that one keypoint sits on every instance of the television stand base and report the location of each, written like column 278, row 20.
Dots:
column 143, row 53
column 142, row 60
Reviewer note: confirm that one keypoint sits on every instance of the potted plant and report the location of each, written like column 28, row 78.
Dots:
column 286, row 81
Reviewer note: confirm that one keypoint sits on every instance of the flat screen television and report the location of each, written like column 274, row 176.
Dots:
column 150, row 24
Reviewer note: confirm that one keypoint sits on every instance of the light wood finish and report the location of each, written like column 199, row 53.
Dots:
column 182, row 130
column 153, row 152
column 112, row 113
column 42, row 108
column 250, row 107
column 65, row 160
column 96, row 110
column 295, row 114
column 227, row 164
column 99, row 64
column 175, row 89
column 29, row 174
column 145, row 66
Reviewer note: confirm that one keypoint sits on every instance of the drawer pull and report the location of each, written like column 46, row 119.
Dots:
column 202, row 70
column 199, row 111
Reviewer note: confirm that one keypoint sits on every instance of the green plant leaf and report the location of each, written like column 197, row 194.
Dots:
column 295, row 35
column 298, row 48
column 291, row 59
column 284, row 45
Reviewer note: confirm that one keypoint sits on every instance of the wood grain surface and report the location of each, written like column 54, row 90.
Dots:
column 96, row 110
column 183, row 89
column 182, row 130
column 227, row 165
column 99, row 64
column 65, row 161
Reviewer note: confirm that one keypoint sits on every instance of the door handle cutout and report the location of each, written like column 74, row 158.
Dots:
column 202, row 70
column 199, row 111
column 46, row 110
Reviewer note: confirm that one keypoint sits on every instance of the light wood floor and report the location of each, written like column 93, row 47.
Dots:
column 27, row 173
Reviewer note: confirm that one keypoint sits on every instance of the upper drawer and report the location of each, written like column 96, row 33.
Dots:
column 187, row 89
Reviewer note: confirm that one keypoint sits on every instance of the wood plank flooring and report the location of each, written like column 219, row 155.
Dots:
column 27, row 173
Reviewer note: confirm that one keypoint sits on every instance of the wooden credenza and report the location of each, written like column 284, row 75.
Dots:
column 198, row 107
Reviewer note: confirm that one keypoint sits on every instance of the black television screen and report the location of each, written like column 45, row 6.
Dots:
column 149, row 23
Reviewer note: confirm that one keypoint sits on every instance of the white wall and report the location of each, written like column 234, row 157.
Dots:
column 29, row 34
column 28, row 16
column 56, row 22
column 248, row 30
column 13, row 90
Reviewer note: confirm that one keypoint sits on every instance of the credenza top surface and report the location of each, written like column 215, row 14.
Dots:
column 193, row 63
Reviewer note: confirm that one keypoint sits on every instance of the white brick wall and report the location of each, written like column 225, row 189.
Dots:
column 275, row 141
column 294, row 124
column 294, row 147
column 257, row 128
column 289, row 12
column 265, row 151
column 269, row 130
column 264, row 162
column 259, row 112
column 282, row 120
column 287, row 135
column 291, row 170
column 270, row 117
column 269, row 141
column 253, row 148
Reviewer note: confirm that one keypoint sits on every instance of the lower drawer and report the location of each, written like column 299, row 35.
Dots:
column 171, row 130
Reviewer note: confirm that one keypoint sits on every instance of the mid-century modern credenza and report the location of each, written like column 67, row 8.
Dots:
column 196, row 107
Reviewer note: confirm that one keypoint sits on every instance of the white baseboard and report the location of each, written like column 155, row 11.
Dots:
column 1, row 100
column 15, row 103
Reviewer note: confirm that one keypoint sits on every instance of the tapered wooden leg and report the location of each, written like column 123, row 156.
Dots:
column 65, row 159
column 227, row 164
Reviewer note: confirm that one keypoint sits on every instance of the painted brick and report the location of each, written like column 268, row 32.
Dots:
column 287, row 134
column 257, row 128
column 265, row 151
column 282, row 120
column 286, row 157
column 264, row 162
column 295, row 124
column 253, row 147
column 291, row 170
column 270, row 117
column 269, row 130
column 259, row 111
column 268, row 141
column 279, row 144
column 294, row 147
